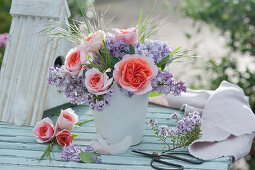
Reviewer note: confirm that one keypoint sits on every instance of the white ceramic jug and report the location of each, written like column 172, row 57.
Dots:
column 125, row 116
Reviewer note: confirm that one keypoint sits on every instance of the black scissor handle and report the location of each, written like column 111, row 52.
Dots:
column 194, row 161
column 176, row 166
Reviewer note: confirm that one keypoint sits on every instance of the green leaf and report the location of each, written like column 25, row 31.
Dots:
column 154, row 94
column 114, row 60
column 131, row 49
column 164, row 61
column 140, row 18
column 74, row 135
column 142, row 31
column 86, row 157
column 84, row 16
column 48, row 151
column 83, row 122
column 107, row 53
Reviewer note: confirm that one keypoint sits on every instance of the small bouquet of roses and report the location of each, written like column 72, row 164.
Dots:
column 46, row 132
column 124, row 57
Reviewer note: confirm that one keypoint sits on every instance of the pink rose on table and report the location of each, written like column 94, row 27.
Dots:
column 93, row 42
column 134, row 73
column 97, row 82
column 67, row 119
column 130, row 35
column 64, row 137
column 44, row 130
column 74, row 60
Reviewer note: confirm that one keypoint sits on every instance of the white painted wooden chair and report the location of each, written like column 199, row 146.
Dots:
column 24, row 89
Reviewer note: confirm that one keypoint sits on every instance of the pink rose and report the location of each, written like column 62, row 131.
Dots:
column 64, row 137
column 74, row 60
column 134, row 73
column 93, row 42
column 96, row 82
column 130, row 35
column 67, row 119
column 44, row 130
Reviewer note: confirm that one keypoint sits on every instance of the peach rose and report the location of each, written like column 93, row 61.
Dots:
column 96, row 82
column 134, row 73
column 67, row 119
column 74, row 60
column 130, row 35
column 93, row 42
column 64, row 137
column 44, row 130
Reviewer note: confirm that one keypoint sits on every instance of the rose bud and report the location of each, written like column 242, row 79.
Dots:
column 130, row 35
column 44, row 130
column 64, row 137
column 93, row 42
column 67, row 119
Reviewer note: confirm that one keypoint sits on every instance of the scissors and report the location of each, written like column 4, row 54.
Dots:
column 156, row 157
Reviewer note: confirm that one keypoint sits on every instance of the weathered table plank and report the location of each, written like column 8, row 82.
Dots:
column 18, row 149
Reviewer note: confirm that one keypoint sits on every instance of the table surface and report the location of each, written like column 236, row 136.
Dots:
column 18, row 149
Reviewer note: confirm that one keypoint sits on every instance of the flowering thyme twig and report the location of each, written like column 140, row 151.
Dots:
column 188, row 130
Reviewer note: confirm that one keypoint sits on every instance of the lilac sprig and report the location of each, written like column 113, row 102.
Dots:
column 74, row 89
column 154, row 49
column 71, row 152
column 99, row 102
column 187, row 130
column 150, row 48
column 165, row 84
column 116, row 49
column 75, row 152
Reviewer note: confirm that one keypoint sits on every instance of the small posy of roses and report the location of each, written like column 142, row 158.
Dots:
column 103, row 59
column 45, row 131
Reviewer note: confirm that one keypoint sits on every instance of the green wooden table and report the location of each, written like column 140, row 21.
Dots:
column 18, row 149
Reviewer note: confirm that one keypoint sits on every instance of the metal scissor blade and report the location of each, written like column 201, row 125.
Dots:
column 178, row 156
column 147, row 153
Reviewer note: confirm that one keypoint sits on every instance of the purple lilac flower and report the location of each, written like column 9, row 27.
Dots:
column 74, row 152
column 96, row 159
column 116, row 49
column 164, row 130
column 89, row 149
column 74, row 88
column 152, row 123
column 3, row 39
column 154, row 49
column 164, row 84
column 100, row 105
column 179, row 87
column 70, row 152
